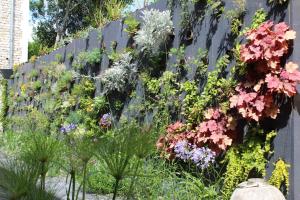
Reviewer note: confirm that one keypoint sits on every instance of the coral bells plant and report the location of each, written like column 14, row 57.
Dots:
column 266, row 78
column 216, row 131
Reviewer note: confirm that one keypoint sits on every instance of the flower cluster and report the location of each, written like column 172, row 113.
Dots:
column 116, row 77
column 105, row 121
column 68, row 128
column 202, row 157
column 217, row 132
column 255, row 97
column 155, row 30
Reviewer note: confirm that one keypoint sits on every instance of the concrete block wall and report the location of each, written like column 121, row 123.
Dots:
column 20, row 29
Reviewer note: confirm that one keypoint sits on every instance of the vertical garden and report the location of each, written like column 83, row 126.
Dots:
column 180, row 100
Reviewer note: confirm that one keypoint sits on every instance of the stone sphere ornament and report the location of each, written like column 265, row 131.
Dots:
column 256, row 189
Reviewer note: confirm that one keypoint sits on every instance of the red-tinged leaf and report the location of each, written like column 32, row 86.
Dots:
column 273, row 81
column 203, row 127
column 281, row 28
column 248, row 97
column 274, row 64
column 233, row 101
column 256, row 52
column 259, row 105
column 295, row 76
column 216, row 114
column 290, row 35
column 272, row 111
column 290, row 89
column 212, row 125
column 216, row 137
column 291, row 67
column 243, row 112
column 258, row 85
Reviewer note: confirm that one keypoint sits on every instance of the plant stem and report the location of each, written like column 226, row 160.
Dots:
column 69, row 188
column 84, row 180
column 43, row 177
column 116, row 188
column 73, row 184
column 133, row 180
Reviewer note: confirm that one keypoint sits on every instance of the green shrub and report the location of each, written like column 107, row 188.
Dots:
column 36, row 85
column 83, row 58
column 64, row 80
column 132, row 25
column 33, row 74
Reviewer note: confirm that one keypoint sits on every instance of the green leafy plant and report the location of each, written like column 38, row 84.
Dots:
column 59, row 58
column 92, row 57
column 235, row 16
column 132, row 25
column 280, row 175
column 37, row 85
column 119, row 148
column 114, row 9
column 258, row 18
column 247, row 160
column 64, row 80
column 33, row 74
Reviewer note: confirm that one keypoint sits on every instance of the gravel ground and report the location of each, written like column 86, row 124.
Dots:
column 58, row 185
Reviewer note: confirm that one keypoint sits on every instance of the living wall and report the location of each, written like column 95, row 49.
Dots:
column 211, row 84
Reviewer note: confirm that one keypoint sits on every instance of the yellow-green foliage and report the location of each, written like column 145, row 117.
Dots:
column 246, row 158
column 280, row 175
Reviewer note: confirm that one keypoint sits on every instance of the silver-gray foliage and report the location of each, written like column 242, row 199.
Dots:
column 121, row 73
column 155, row 30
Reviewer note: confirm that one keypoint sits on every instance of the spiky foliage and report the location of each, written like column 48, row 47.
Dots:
column 40, row 150
column 119, row 149
column 18, row 181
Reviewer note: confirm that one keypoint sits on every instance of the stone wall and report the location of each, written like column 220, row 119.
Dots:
column 21, row 21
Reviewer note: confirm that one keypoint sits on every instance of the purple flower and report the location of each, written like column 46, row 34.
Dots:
column 182, row 150
column 105, row 120
column 203, row 157
column 68, row 128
